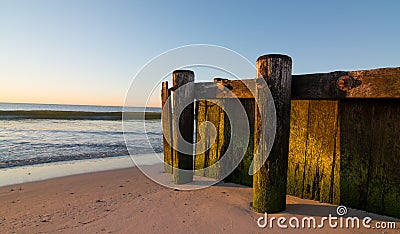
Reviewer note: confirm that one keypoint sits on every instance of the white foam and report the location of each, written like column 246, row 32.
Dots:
column 23, row 174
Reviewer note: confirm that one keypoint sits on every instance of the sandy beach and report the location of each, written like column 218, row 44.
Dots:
column 125, row 201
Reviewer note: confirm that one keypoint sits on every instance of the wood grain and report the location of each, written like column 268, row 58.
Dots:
column 183, row 121
column 269, row 183
column 376, row 83
column 166, row 127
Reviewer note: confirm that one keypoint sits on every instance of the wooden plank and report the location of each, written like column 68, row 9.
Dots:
column 355, row 152
column 212, row 112
column 269, row 183
column 207, row 111
column 335, row 193
column 317, row 86
column 241, row 174
column 200, row 158
column 370, row 155
column 215, row 115
column 376, row 83
column 320, row 150
column 183, row 121
column 383, row 194
column 297, row 146
column 215, row 90
column 223, row 137
column 166, row 127
column 352, row 157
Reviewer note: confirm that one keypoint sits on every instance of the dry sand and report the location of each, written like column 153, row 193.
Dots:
column 125, row 201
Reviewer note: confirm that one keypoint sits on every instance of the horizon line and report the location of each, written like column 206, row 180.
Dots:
column 74, row 104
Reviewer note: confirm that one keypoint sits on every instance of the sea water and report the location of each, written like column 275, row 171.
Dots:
column 26, row 141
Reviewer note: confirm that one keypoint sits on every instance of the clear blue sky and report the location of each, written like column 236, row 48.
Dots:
column 87, row 52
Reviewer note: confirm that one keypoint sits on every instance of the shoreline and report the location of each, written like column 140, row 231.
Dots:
column 38, row 172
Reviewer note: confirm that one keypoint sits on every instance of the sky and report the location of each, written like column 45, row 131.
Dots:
column 88, row 52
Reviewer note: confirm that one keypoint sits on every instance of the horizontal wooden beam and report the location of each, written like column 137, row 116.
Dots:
column 376, row 83
column 225, row 89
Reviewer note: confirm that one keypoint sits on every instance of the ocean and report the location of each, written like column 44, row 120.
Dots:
column 43, row 133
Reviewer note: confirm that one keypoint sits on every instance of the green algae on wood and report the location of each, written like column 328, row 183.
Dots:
column 321, row 139
column 200, row 157
column 313, row 169
column 269, row 183
column 166, row 127
column 297, row 147
column 206, row 162
column 355, row 148
column 370, row 155
column 383, row 193
column 241, row 174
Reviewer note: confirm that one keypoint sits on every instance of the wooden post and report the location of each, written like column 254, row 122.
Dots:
column 269, row 183
column 183, row 121
column 166, row 126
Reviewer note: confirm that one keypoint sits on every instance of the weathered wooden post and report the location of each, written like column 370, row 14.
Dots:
column 269, row 183
column 166, row 126
column 183, row 121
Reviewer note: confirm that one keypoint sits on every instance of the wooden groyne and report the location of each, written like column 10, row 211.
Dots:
column 337, row 137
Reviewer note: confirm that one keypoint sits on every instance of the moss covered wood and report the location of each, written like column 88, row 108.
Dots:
column 342, row 151
column 269, row 183
column 361, row 149
column 370, row 155
column 241, row 174
column 312, row 151
column 166, row 127
column 212, row 112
